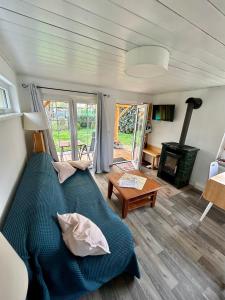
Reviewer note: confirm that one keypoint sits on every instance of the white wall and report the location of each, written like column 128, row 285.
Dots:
column 116, row 96
column 12, row 158
column 12, row 143
column 9, row 77
column 206, row 128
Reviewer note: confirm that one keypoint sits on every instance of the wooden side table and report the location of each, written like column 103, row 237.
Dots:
column 133, row 198
column 214, row 192
column 155, row 153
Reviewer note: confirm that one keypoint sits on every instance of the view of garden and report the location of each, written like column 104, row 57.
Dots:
column 126, row 126
column 125, row 138
column 84, row 136
column 58, row 115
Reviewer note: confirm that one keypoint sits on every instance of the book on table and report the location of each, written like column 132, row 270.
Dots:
column 132, row 181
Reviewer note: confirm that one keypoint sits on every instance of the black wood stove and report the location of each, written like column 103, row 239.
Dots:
column 177, row 159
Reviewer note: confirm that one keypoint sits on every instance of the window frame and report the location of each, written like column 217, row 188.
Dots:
column 8, row 107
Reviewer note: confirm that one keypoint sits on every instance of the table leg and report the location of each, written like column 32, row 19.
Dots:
column 157, row 162
column 61, row 154
column 153, row 163
column 154, row 194
column 110, row 189
column 79, row 147
column 81, row 151
column 206, row 211
column 124, row 208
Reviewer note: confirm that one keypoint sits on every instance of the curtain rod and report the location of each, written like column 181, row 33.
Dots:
column 64, row 90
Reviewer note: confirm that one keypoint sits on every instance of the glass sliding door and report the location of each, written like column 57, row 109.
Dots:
column 86, row 129
column 73, row 127
column 59, row 120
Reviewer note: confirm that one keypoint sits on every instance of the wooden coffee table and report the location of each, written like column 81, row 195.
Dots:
column 132, row 198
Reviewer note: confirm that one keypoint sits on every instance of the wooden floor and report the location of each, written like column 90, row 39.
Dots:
column 125, row 153
column 178, row 257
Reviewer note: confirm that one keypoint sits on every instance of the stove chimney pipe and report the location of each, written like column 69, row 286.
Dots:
column 192, row 103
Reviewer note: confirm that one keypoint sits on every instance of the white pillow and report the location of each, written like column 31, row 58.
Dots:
column 64, row 169
column 82, row 236
column 80, row 164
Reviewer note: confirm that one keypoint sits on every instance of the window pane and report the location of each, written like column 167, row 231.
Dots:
column 58, row 117
column 86, row 122
column 3, row 99
column 86, row 129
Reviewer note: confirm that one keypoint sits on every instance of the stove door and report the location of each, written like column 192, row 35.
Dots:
column 171, row 163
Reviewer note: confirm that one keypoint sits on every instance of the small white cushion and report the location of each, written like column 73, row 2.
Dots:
column 82, row 236
column 64, row 169
column 80, row 164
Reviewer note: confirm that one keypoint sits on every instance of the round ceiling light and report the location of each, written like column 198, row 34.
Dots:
column 147, row 61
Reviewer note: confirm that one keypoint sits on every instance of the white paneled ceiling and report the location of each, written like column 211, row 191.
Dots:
column 86, row 41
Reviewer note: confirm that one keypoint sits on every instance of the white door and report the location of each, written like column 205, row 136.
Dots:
column 139, row 131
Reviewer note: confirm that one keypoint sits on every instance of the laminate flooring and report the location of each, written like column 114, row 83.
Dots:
column 179, row 258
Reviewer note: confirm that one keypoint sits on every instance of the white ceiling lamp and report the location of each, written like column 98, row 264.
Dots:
column 147, row 61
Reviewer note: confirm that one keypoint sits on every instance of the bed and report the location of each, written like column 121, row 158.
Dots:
column 32, row 229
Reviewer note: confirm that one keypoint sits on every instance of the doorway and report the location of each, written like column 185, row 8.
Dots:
column 124, row 126
column 129, row 132
column 73, row 127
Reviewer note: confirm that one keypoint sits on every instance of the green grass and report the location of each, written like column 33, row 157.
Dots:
column 84, row 136
column 126, row 138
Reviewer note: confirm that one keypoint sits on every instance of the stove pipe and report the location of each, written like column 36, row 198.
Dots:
column 192, row 103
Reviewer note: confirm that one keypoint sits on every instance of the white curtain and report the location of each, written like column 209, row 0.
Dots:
column 101, row 160
column 37, row 106
column 73, row 132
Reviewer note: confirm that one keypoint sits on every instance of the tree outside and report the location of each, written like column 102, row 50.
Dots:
column 126, row 126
